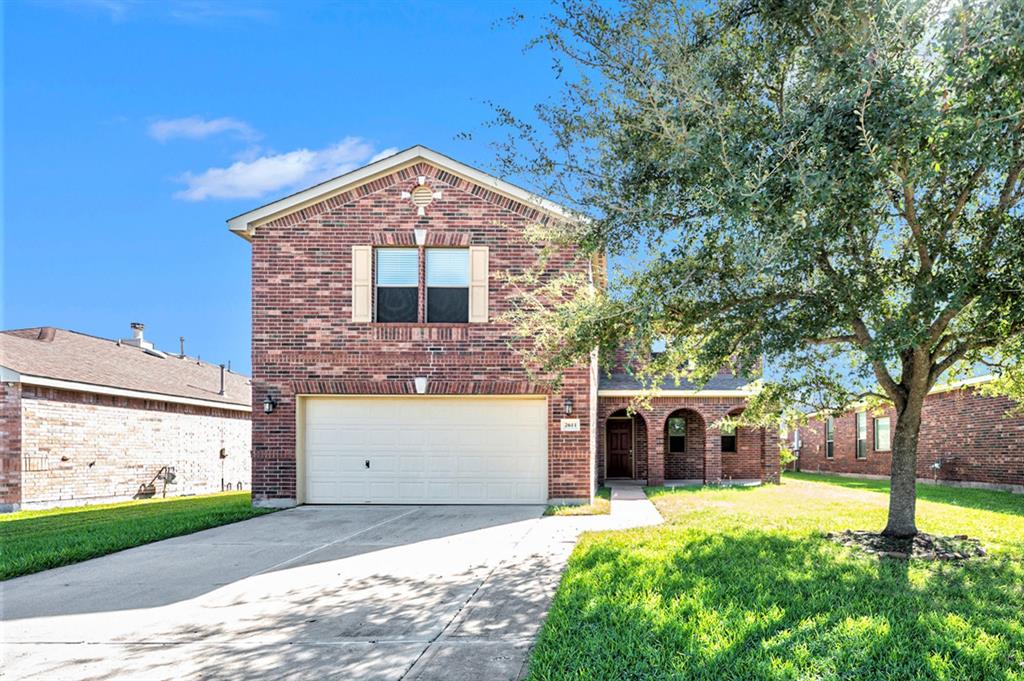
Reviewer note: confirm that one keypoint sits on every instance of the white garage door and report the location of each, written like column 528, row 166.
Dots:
column 426, row 450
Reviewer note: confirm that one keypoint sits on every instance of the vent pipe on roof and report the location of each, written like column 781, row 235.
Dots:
column 221, row 379
column 181, row 344
column 137, row 340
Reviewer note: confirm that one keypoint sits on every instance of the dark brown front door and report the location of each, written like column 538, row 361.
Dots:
column 620, row 448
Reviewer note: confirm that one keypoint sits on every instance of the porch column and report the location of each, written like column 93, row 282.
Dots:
column 770, row 467
column 712, row 455
column 655, row 450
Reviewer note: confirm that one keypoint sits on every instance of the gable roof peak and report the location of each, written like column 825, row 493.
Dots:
column 245, row 224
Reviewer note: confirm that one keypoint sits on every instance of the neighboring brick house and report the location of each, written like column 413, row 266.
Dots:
column 967, row 439
column 384, row 370
column 89, row 420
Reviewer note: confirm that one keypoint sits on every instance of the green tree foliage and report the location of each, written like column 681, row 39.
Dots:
column 835, row 186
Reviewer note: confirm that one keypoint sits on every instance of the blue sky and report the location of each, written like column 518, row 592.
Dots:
column 132, row 130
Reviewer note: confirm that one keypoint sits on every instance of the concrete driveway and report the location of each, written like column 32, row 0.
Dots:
column 362, row 592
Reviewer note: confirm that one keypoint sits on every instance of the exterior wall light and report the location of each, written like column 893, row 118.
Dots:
column 268, row 404
column 567, row 406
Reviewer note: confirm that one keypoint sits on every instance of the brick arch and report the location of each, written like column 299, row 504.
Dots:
column 688, row 464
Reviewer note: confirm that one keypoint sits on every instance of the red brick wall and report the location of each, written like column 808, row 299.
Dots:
column 967, row 433
column 304, row 341
column 10, row 445
column 82, row 447
column 753, row 460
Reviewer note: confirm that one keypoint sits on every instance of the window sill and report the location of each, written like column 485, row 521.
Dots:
column 422, row 325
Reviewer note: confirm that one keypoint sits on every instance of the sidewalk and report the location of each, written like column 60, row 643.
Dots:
column 631, row 507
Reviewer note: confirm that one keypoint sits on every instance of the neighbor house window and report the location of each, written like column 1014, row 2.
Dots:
column 830, row 437
column 398, row 284
column 862, row 435
column 448, row 285
column 677, row 434
column 883, row 439
column 729, row 439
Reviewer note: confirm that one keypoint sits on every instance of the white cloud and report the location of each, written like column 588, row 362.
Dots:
column 249, row 179
column 196, row 128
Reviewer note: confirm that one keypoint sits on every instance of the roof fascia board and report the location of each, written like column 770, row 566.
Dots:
column 244, row 224
column 674, row 393
column 125, row 392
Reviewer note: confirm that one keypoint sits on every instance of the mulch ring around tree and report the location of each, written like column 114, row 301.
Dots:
column 923, row 546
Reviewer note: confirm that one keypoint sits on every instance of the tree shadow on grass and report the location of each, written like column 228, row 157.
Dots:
column 686, row 604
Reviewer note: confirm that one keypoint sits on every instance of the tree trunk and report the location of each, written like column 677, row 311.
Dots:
column 903, row 481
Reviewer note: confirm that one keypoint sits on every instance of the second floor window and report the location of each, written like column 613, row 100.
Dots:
column 830, row 437
column 862, row 435
column 398, row 285
column 447, row 285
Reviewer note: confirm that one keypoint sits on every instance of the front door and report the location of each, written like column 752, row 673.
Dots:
column 620, row 448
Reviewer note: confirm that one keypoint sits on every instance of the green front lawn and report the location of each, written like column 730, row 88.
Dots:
column 740, row 584
column 31, row 541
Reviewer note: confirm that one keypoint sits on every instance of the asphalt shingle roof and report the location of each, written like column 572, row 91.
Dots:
column 64, row 355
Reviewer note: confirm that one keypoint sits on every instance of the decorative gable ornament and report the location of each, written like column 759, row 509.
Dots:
column 422, row 195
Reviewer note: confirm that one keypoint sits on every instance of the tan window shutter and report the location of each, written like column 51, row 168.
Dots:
column 362, row 283
column 478, row 284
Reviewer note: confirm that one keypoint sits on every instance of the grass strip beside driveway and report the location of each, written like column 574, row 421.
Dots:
column 740, row 583
column 602, row 505
column 38, row 540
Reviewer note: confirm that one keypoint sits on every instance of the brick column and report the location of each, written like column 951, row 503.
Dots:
column 712, row 456
column 770, row 457
column 655, row 451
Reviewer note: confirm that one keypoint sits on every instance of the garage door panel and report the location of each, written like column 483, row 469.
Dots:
column 426, row 450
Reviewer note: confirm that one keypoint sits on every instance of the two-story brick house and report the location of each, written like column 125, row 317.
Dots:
column 384, row 372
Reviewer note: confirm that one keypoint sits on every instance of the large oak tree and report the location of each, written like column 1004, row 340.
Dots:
column 835, row 186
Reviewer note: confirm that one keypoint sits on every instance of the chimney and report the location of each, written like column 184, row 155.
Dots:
column 137, row 340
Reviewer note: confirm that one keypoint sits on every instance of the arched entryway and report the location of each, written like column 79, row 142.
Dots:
column 684, row 446
column 625, row 446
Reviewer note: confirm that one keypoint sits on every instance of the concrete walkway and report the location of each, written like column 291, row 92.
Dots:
column 368, row 592
column 631, row 507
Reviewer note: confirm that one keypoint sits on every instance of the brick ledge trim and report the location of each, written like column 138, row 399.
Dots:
column 348, row 387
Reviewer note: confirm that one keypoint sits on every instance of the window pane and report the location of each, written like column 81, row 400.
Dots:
column 728, row 443
column 397, row 304
column 677, row 425
column 676, row 444
column 862, row 426
column 829, row 449
column 882, row 435
column 830, row 429
column 448, row 305
column 398, row 267
column 448, row 267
